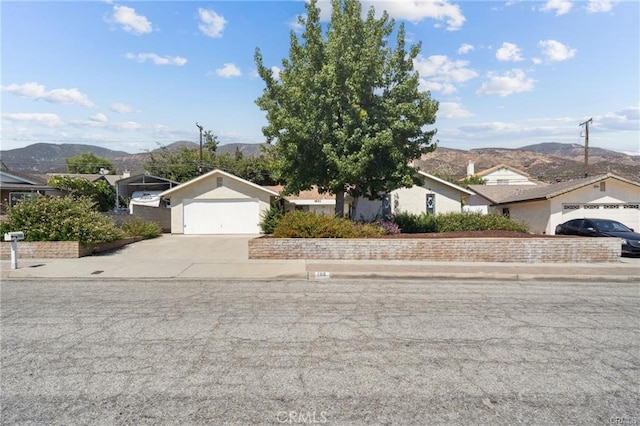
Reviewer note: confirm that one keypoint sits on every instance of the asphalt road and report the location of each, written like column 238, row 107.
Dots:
column 324, row 352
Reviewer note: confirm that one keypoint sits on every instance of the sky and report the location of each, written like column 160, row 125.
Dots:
column 131, row 76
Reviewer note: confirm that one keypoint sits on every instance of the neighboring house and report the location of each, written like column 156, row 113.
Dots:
column 309, row 201
column 218, row 203
column 435, row 196
column 502, row 174
column 16, row 186
column 543, row 207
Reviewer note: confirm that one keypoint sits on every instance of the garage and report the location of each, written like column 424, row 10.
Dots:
column 626, row 213
column 232, row 216
column 218, row 202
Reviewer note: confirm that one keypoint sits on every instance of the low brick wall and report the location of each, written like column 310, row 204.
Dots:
column 58, row 249
column 529, row 250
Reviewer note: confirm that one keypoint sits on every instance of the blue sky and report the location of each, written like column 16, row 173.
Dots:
column 130, row 75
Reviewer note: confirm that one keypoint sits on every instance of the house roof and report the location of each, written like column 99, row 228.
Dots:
column 91, row 177
column 446, row 183
column 502, row 194
column 23, row 181
column 210, row 174
column 501, row 166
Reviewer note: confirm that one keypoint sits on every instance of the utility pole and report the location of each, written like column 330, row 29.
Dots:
column 200, row 162
column 586, row 145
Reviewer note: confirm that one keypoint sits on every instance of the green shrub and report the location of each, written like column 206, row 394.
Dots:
column 410, row 223
column 452, row 222
column 140, row 228
column 60, row 219
column 270, row 219
column 299, row 224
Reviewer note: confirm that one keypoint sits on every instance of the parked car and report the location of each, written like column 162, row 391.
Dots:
column 602, row 228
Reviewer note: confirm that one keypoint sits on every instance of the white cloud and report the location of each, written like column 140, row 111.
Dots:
column 439, row 73
column 34, row 90
column 556, row 51
column 157, row 59
column 514, row 81
column 276, row 72
column 126, row 125
column 559, row 6
column 417, row 10
column 625, row 119
column 599, row 6
column 211, row 23
column 509, row 52
column 43, row 119
column 453, row 110
column 99, row 117
column 465, row 48
column 435, row 86
column 295, row 24
column 229, row 70
column 121, row 108
column 131, row 22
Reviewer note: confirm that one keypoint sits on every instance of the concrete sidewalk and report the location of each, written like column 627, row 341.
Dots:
column 226, row 257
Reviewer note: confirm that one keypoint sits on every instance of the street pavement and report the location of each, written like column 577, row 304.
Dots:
column 226, row 257
column 360, row 352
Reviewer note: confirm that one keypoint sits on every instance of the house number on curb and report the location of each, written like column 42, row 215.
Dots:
column 322, row 275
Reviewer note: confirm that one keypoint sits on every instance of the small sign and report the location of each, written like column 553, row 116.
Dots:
column 319, row 275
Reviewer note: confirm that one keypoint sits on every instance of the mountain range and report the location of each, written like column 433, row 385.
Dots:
column 547, row 162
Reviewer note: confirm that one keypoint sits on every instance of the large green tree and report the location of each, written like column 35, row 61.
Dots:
column 100, row 192
column 88, row 162
column 346, row 112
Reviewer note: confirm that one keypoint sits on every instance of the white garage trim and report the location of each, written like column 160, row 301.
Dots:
column 627, row 213
column 223, row 216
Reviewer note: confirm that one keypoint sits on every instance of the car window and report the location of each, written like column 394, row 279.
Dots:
column 610, row 226
column 575, row 223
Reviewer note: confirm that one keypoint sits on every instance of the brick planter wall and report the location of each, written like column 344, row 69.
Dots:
column 58, row 249
column 530, row 250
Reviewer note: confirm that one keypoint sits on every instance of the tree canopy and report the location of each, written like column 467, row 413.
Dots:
column 100, row 192
column 183, row 164
column 89, row 163
column 345, row 112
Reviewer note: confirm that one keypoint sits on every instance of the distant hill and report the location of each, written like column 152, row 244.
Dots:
column 547, row 162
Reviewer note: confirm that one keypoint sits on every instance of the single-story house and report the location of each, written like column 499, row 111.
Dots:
column 435, row 196
column 544, row 207
column 218, row 202
column 15, row 186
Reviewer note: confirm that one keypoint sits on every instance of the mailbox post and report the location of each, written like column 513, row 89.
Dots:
column 14, row 237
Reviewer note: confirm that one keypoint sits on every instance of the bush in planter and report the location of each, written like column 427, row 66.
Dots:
column 270, row 218
column 140, row 228
column 299, row 224
column 452, row 222
column 410, row 223
column 60, row 219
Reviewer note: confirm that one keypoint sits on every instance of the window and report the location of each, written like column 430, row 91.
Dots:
column 505, row 212
column 503, row 181
column 603, row 186
column 14, row 197
column 431, row 203
column 218, row 182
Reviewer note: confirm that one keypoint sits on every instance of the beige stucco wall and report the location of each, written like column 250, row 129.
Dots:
column 543, row 216
column 206, row 190
column 413, row 200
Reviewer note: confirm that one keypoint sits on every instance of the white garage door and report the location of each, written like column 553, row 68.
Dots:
column 221, row 216
column 627, row 213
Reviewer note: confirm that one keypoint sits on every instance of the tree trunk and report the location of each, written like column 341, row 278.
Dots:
column 340, row 203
